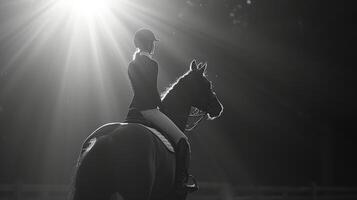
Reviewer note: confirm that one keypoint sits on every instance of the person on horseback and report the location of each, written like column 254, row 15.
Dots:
column 143, row 72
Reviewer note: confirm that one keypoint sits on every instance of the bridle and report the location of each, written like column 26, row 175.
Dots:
column 199, row 114
column 195, row 113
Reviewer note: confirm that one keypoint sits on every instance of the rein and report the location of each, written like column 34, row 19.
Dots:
column 194, row 113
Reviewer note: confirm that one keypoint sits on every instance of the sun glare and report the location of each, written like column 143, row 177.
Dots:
column 86, row 43
column 87, row 9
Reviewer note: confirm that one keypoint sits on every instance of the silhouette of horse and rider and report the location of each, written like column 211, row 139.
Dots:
column 147, row 156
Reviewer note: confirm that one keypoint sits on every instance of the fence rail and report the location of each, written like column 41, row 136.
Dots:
column 208, row 191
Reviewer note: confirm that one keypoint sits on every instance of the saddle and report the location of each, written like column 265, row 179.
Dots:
column 134, row 116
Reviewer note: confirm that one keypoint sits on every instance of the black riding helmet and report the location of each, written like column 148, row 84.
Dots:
column 144, row 38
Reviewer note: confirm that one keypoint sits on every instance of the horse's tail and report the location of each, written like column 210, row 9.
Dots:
column 87, row 180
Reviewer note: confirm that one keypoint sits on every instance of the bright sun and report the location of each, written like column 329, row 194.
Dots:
column 87, row 9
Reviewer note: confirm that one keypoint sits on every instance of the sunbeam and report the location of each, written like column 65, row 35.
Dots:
column 86, row 8
column 74, row 54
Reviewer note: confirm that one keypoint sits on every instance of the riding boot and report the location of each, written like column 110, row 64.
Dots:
column 183, row 154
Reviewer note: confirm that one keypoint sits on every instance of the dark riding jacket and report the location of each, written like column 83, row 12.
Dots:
column 143, row 73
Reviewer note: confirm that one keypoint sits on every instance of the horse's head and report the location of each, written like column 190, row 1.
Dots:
column 201, row 92
column 192, row 89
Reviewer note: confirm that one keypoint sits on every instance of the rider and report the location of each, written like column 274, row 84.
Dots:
column 143, row 72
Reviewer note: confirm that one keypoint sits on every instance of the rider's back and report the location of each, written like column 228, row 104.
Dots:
column 143, row 73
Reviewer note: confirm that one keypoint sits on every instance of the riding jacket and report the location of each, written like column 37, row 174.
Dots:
column 143, row 73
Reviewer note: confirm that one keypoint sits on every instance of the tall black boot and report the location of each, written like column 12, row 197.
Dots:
column 183, row 155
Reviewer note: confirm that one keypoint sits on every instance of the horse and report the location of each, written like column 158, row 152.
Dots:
column 126, row 160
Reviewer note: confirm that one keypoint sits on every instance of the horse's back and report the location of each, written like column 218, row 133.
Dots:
column 128, row 160
column 147, row 159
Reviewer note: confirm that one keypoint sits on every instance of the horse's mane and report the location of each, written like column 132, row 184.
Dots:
column 174, row 86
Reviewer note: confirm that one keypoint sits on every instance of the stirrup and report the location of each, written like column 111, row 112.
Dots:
column 192, row 187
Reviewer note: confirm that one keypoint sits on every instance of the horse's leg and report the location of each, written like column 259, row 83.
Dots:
column 93, row 177
column 134, row 163
column 116, row 196
column 138, row 189
column 137, row 185
column 93, row 195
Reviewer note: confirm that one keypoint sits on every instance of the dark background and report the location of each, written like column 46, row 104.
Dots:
column 279, row 67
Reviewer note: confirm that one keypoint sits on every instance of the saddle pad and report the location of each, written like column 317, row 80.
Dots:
column 160, row 136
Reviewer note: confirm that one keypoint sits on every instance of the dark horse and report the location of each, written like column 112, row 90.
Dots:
column 127, row 160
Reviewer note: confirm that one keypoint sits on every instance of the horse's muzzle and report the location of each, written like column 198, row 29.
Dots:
column 215, row 108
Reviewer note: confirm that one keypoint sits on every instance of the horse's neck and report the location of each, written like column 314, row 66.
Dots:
column 177, row 109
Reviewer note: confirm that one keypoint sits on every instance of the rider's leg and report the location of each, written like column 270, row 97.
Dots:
column 182, row 148
column 160, row 119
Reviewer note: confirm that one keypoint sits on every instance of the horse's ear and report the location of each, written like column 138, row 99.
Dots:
column 203, row 68
column 193, row 65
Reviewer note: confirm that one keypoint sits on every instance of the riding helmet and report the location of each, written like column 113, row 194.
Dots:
column 143, row 36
